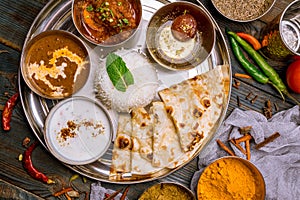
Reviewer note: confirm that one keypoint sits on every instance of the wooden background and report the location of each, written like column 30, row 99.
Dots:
column 15, row 20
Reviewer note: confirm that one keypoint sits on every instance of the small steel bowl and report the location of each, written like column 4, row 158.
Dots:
column 78, row 130
column 88, row 31
column 177, row 191
column 49, row 68
column 223, row 165
column 240, row 15
column 171, row 53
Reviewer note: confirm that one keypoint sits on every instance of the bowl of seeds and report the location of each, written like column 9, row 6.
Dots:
column 243, row 10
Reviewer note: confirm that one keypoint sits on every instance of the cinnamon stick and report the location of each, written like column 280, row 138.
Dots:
column 248, row 154
column 238, row 146
column 225, row 148
column 243, row 138
column 63, row 191
column 267, row 140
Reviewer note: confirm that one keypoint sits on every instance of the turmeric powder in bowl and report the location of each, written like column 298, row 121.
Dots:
column 231, row 178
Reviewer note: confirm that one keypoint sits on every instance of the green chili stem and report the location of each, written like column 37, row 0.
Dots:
column 291, row 97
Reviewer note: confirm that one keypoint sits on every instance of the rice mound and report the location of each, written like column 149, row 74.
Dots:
column 140, row 94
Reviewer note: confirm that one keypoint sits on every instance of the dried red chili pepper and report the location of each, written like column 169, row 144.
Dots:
column 28, row 165
column 7, row 111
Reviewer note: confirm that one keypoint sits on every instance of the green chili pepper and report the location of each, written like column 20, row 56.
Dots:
column 269, row 71
column 248, row 66
column 261, row 62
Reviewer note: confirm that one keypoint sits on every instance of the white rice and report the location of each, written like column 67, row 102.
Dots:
column 141, row 93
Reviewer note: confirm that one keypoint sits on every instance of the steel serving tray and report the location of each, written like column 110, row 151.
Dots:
column 57, row 15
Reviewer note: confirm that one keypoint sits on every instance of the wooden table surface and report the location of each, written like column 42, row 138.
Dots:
column 15, row 20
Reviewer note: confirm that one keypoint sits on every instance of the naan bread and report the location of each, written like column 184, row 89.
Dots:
column 142, row 138
column 195, row 106
column 121, row 154
column 166, row 145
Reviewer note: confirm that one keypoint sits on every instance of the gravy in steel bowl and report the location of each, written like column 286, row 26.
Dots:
column 107, row 22
column 55, row 64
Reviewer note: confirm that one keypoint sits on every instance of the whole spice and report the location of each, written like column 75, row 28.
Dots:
column 238, row 101
column 267, row 140
column 7, row 111
column 63, row 191
column 243, row 138
column 238, row 146
column 252, row 101
column 267, row 110
column 248, row 95
column 31, row 170
column 228, row 179
column 225, row 148
column 248, row 154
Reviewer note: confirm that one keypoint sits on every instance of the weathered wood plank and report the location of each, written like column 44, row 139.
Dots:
column 16, row 19
column 9, row 191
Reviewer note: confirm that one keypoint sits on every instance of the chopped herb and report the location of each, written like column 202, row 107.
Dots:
column 89, row 8
column 111, row 13
column 119, row 3
column 118, row 73
column 125, row 21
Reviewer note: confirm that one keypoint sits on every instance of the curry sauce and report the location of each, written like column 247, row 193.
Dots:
column 107, row 21
column 56, row 64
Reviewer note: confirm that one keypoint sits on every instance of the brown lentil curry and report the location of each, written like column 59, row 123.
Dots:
column 54, row 63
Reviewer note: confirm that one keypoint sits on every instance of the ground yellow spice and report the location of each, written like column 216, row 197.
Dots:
column 228, row 179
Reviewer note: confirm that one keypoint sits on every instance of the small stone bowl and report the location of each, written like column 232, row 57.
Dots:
column 171, row 53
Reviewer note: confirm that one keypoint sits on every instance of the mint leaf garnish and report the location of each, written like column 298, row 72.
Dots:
column 118, row 73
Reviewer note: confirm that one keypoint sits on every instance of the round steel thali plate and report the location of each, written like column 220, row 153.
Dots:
column 57, row 15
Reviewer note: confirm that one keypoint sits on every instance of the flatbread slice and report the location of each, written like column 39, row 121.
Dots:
column 142, row 138
column 121, row 154
column 195, row 106
column 166, row 145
